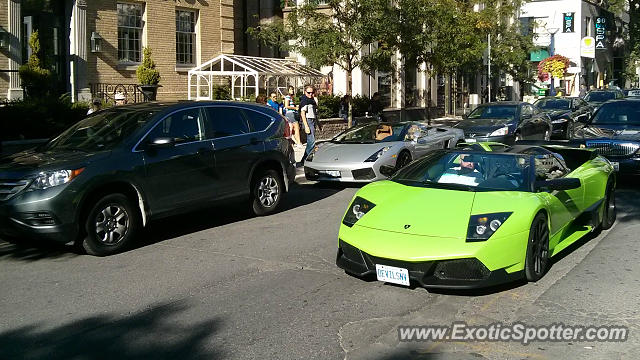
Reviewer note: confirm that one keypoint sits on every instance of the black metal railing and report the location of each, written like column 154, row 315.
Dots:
column 107, row 92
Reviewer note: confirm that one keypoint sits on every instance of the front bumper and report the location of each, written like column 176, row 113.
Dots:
column 45, row 214
column 466, row 273
column 363, row 172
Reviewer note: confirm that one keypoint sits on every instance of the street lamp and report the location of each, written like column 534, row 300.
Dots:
column 552, row 50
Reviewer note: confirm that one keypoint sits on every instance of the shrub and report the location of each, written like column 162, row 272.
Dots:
column 221, row 92
column 35, row 79
column 360, row 105
column 39, row 118
column 328, row 106
column 147, row 72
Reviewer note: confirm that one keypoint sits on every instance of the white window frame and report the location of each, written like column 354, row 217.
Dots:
column 194, row 40
column 141, row 34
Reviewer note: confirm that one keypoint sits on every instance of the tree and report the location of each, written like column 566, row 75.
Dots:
column 335, row 35
column 35, row 77
column 450, row 35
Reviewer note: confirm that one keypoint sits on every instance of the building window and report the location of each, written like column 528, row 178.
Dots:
column 129, row 32
column 185, row 37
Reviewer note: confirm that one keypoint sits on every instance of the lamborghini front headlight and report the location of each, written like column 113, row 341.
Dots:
column 358, row 208
column 481, row 227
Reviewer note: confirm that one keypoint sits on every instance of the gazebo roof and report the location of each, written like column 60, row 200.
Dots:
column 249, row 65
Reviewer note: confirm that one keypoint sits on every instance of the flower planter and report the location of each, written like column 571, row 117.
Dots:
column 149, row 91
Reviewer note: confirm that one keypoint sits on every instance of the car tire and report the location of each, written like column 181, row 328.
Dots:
column 609, row 212
column 266, row 192
column 568, row 131
column 404, row 158
column 110, row 226
column 536, row 261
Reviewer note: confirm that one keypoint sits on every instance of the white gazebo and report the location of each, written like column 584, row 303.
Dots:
column 249, row 75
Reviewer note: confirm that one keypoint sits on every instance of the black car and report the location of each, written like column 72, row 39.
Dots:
column 506, row 122
column 614, row 132
column 596, row 98
column 110, row 174
column 564, row 113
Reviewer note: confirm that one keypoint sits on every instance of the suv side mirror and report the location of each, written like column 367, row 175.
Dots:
column 162, row 142
column 557, row 184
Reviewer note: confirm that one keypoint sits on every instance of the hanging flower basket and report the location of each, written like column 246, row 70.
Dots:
column 554, row 66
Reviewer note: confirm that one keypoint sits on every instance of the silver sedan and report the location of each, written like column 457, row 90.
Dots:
column 357, row 154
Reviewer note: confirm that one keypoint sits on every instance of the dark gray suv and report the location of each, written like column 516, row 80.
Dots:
column 107, row 176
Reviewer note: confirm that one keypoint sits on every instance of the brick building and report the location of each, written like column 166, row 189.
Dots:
column 93, row 45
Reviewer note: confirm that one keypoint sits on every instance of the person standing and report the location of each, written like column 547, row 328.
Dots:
column 308, row 113
column 344, row 108
column 376, row 107
column 273, row 102
column 291, row 113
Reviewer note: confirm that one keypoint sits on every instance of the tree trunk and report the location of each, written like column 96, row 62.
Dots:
column 350, row 103
column 429, row 82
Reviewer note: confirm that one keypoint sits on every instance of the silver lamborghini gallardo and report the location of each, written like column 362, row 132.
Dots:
column 357, row 154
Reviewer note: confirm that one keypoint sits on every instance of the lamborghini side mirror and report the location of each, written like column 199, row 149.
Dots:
column 557, row 184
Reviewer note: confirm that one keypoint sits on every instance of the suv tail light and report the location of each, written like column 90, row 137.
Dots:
column 287, row 130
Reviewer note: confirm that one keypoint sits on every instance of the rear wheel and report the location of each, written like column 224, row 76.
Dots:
column 537, row 258
column 266, row 192
column 609, row 213
column 110, row 226
column 404, row 158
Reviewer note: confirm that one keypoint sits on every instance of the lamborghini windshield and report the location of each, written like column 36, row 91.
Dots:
column 473, row 171
column 372, row 133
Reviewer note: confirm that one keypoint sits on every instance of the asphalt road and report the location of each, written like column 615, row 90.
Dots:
column 221, row 284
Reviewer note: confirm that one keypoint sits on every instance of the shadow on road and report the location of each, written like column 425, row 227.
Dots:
column 152, row 334
column 628, row 199
column 34, row 250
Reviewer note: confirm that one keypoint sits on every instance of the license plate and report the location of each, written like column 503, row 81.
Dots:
column 616, row 165
column 392, row 274
column 332, row 173
column 470, row 140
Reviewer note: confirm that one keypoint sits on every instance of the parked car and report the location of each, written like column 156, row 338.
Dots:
column 596, row 98
column 469, row 219
column 506, row 122
column 107, row 176
column 614, row 132
column 564, row 113
column 632, row 93
column 360, row 154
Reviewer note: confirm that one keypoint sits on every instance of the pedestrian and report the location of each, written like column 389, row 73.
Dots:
column 343, row 112
column 376, row 107
column 120, row 99
column 261, row 99
column 559, row 92
column 273, row 102
column 291, row 113
column 96, row 105
column 308, row 113
column 583, row 91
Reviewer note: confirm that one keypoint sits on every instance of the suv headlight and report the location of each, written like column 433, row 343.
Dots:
column 358, row 208
column 559, row 121
column 481, row 227
column 49, row 179
column 377, row 154
column 500, row 132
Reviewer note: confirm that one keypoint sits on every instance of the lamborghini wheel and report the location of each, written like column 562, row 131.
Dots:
column 537, row 257
column 609, row 213
column 403, row 159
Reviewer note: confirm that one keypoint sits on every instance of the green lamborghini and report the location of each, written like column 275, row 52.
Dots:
column 468, row 218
